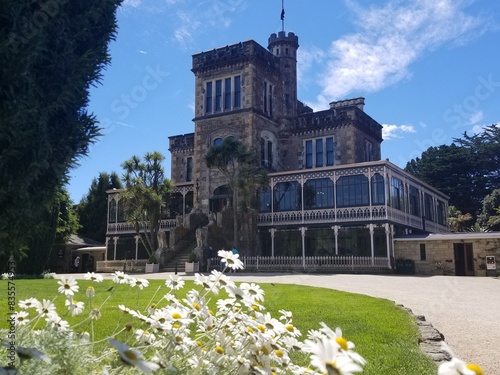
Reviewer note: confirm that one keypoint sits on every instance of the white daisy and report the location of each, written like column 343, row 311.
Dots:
column 326, row 356
column 68, row 286
column 140, row 283
column 55, row 322
column 74, row 307
column 46, row 307
column 232, row 261
column 254, row 291
column 133, row 357
column 144, row 336
column 93, row 277
column 459, row 367
column 174, row 283
column 28, row 303
column 120, row 278
column 20, row 318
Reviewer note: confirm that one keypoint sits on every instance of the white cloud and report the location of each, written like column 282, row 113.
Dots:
column 396, row 131
column 476, row 117
column 389, row 39
column 131, row 3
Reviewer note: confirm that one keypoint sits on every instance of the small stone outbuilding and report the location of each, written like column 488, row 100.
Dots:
column 460, row 254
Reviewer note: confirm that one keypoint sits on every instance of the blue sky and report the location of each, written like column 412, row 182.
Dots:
column 429, row 69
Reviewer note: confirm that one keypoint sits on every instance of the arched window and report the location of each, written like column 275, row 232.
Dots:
column 217, row 141
column 352, row 191
column 287, row 196
column 378, row 193
column 318, row 193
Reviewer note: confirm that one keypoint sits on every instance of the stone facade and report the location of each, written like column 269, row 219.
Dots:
column 461, row 254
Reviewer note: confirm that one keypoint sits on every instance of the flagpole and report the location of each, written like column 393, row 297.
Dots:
column 282, row 15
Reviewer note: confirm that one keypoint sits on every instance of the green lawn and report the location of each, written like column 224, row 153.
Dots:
column 384, row 334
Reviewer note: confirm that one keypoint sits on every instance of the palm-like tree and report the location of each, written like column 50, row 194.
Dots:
column 239, row 165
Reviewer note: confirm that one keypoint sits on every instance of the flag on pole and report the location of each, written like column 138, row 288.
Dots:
column 282, row 14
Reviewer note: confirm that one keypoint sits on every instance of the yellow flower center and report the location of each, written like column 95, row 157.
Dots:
column 178, row 339
column 342, row 342
column 131, row 355
column 249, row 329
column 199, row 343
column 176, row 325
column 265, row 350
column 211, row 312
column 475, row 368
column 279, row 353
column 176, row 315
column 290, row 328
column 219, row 349
column 261, row 328
column 197, row 306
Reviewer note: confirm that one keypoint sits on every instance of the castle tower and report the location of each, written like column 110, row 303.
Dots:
column 285, row 48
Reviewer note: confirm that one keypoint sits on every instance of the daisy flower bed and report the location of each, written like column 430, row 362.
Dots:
column 212, row 325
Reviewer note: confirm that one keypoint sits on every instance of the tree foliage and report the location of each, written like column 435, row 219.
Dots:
column 488, row 218
column 239, row 165
column 93, row 207
column 146, row 196
column 467, row 170
column 50, row 53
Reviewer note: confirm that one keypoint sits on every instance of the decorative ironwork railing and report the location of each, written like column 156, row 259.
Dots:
column 311, row 263
column 121, row 228
column 346, row 215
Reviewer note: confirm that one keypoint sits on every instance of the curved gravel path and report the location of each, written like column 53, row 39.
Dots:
column 466, row 310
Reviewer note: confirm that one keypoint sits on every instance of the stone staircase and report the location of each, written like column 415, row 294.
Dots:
column 180, row 258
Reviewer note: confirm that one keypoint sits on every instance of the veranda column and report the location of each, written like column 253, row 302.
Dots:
column 388, row 243
column 336, row 232
column 303, row 234
column 106, row 252
column 115, row 239
column 272, row 231
column 137, row 238
column 372, row 244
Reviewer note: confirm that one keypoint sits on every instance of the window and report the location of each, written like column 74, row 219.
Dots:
column 269, row 153
column 441, row 213
column 428, row 207
column 369, row 151
column 352, row 191
column 265, row 199
column 318, row 193
column 217, row 141
column 329, row 151
column 397, row 193
column 319, row 152
column 227, row 94
column 414, row 199
column 309, row 154
column 218, row 95
column 378, row 193
column 208, row 104
column 223, row 94
column 287, row 196
column 189, row 169
column 423, row 255
column 237, row 92
column 268, row 98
